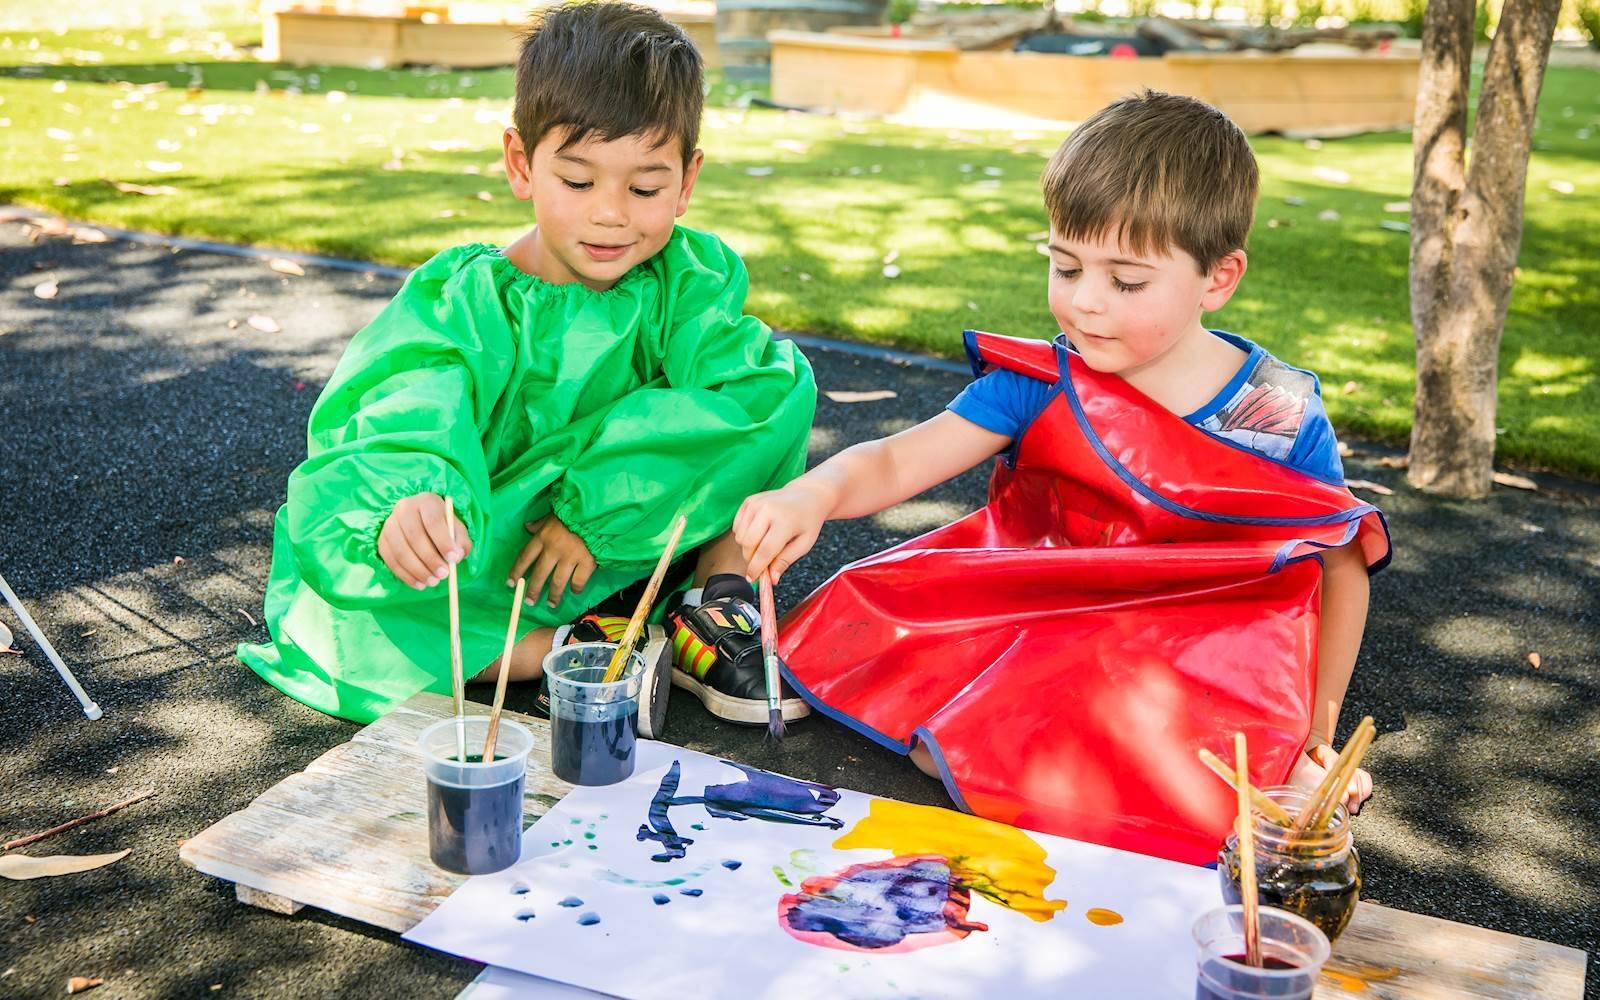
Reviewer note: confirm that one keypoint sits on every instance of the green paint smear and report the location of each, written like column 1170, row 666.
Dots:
column 782, row 878
column 804, row 860
column 588, row 836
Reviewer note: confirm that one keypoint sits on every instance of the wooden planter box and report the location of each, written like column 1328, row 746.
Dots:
column 418, row 36
column 931, row 82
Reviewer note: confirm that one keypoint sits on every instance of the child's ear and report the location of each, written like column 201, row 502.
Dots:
column 519, row 169
column 1221, row 281
column 691, row 173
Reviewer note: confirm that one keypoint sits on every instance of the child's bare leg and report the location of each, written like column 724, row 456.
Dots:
column 923, row 757
column 720, row 555
column 527, row 659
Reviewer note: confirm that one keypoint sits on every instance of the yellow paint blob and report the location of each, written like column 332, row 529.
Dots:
column 996, row 861
column 1104, row 918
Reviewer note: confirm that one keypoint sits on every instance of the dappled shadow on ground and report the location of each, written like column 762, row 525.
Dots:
column 143, row 428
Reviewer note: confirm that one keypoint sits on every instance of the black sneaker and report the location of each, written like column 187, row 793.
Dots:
column 716, row 650
column 656, row 651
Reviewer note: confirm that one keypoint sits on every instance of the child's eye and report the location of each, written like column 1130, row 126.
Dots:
column 578, row 185
column 1121, row 287
column 646, row 193
column 1065, row 274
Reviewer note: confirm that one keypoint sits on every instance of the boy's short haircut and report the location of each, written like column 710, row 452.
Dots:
column 1161, row 171
column 608, row 69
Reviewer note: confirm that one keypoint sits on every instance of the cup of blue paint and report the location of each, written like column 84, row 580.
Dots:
column 474, row 806
column 593, row 724
column 1293, row 951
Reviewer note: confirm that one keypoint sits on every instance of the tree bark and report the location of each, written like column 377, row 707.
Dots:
column 1466, row 230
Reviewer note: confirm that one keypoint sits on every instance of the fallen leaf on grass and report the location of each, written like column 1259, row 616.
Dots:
column 77, row 984
column 868, row 396
column 46, row 289
column 1562, row 187
column 1352, row 387
column 1514, row 481
column 1403, row 207
column 49, row 227
column 1533, row 660
column 1328, row 215
column 484, row 196
column 448, row 213
column 25, row 866
column 152, row 190
column 266, row 324
column 891, row 270
column 285, row 266
column 1331, row 175
column 1369, row 486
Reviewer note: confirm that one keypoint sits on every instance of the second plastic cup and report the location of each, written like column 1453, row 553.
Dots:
column 474, row 808
column 1292, row 952
column 593, row 724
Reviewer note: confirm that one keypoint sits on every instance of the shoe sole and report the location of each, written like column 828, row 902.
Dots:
column 741, row 710
column 657, row 684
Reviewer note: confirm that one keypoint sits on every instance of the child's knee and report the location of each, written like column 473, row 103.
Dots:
column 923, row 757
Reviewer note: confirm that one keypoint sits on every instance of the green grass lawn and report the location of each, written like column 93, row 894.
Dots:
column 295, row 158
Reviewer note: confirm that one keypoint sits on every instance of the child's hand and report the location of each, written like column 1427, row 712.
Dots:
column 556, row 555
column 415, row 541
column 775, row 529
column 1313, row 766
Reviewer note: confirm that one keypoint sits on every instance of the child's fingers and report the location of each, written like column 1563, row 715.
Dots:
column 755, row 531
column 788, row 557
column 437, row 523
column 580, row 576
column 772, row 543
column 558, row 581
column 422, row 546
column 1359, row 790
column 541, row 573
column 525, row 559
column 405, row 565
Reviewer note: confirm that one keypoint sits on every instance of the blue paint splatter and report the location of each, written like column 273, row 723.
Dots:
column 589, row 919
column 761, row 795
column 571, row 901
column 524, row 915
column 519, row 888
column 692, row 892
column 732, row 865
column 594, row 847
column 661, row 900
column 698, row 826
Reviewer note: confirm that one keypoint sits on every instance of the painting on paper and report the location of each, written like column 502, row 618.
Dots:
column 702, row 877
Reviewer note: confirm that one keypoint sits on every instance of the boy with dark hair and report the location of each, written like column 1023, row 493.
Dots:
column 1168, row 553
column 571, row 392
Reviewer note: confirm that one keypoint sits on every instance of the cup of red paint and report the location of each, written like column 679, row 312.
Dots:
column 1293, row 951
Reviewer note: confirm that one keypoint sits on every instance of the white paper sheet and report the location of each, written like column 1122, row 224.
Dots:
column 934, row 903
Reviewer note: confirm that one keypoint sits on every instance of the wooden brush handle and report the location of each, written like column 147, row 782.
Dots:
column 619, row 658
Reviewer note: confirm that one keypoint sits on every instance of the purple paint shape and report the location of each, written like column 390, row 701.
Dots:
column 897, row 905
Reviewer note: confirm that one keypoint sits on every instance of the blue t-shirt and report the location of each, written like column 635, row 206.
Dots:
column 1267, row 407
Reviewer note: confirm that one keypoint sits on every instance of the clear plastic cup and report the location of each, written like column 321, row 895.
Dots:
column 474, row 808
column 593, row 725
column 1292, row 951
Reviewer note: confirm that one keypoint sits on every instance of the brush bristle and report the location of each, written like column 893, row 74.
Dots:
column 775, row 727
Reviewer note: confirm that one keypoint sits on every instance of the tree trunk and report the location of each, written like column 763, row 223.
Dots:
column 1466, row 230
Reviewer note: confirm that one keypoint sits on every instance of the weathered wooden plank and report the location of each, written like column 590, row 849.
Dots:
column 1387, row 953
column 349, row 835
column 267, row 901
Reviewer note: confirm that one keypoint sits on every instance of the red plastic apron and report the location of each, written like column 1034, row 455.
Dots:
column 1134, row 590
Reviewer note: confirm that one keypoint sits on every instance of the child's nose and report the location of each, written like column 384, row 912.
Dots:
column 1088, row 299
column 610, row 212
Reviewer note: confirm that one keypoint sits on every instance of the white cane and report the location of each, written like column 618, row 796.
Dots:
column 89, row 707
